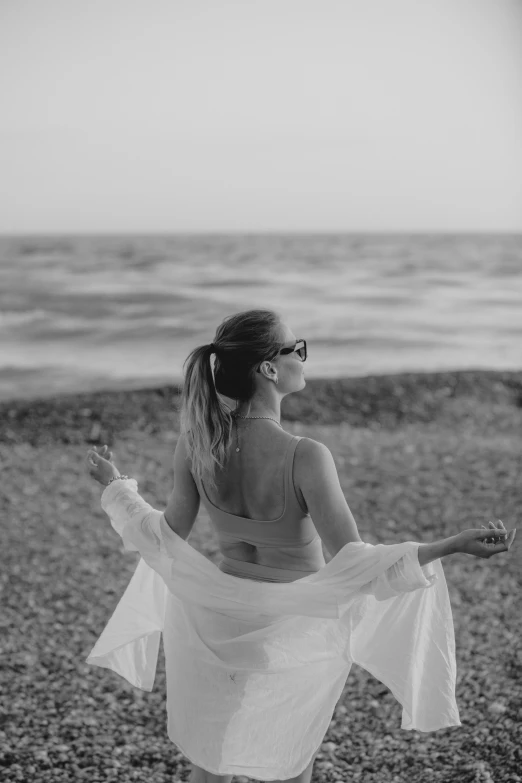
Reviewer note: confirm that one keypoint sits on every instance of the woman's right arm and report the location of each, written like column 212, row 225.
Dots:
column 317, row 478
column 428, row 552
column 319, row 482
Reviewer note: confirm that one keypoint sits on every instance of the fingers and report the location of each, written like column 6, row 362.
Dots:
column 492, row 532
column 499, row 538
column 500, row 530
column 505, row 545
column 490, row 542
column 103, row 452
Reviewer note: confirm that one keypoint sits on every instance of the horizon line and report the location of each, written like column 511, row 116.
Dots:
column 268, row 232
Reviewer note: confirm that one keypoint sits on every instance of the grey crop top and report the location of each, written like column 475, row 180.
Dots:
column 293, row 530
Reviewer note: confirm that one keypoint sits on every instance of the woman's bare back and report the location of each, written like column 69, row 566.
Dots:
column 252, row 485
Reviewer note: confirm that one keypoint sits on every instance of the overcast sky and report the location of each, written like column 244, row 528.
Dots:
column 259, row 115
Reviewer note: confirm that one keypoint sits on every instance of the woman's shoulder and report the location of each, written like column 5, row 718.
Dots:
column 312, row 458
column 308, row 445
column 307, row 453
column 304, row 446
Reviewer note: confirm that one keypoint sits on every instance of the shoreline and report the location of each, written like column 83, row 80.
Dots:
column 374, row 401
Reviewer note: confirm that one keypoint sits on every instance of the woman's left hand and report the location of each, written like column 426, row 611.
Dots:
column 101, row 466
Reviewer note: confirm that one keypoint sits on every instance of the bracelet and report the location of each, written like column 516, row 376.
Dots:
column 116, row 477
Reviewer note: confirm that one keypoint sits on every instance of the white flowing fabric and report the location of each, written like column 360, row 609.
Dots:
column 254, row 669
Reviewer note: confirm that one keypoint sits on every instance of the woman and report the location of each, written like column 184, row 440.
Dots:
column 258, row 649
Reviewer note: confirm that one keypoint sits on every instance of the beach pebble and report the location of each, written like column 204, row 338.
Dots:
column 497, row 708
column 325, row 765
column 331, row 747
column 94, row 433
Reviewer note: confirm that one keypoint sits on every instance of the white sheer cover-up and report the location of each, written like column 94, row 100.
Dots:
column 254, row 669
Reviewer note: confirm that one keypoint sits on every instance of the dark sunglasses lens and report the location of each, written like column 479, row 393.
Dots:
column 301, row 352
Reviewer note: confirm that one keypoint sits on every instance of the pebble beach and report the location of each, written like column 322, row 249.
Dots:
column 420, row 456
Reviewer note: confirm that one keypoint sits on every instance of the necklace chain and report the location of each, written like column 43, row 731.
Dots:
column 251, row 417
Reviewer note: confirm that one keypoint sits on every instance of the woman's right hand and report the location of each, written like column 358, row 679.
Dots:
column 475, row 542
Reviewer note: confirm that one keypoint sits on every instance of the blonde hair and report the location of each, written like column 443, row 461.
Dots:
column 242, row 342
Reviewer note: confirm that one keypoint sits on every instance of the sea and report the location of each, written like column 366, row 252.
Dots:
column 87, row 313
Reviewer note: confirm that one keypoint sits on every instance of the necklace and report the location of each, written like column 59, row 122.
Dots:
column 250, row 417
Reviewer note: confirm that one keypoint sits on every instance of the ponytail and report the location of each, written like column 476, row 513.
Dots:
column 205, row 420
column 242, row 342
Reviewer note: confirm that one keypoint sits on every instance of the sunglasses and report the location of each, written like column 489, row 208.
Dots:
column 300, row 349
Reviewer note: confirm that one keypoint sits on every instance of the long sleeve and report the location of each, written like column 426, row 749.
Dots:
column 129, row 644
column 404, row 576
column 407, row 641
column 128, row 511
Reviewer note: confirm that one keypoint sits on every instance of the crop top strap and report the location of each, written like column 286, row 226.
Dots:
column 290, row 490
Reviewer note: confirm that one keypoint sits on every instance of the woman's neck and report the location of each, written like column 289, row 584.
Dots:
column 264, row 404
column 255, row 412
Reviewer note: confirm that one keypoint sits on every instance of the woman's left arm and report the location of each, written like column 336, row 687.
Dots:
column 121, row 501
column 183, row 505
